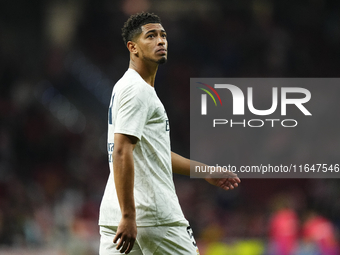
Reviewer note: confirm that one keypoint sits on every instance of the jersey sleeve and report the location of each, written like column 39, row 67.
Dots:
column 132, row 111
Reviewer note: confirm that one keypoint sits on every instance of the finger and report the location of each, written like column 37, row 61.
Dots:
column 120, row 243
column 234, row 180
column 225, row 187
column 125, row 246
column 232, row 175
column 221, row 182
column 230, row 185
column 234, row 183
column 117, row 236
column 132, row 242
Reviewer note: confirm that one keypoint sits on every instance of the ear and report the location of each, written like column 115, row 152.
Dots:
column 132, row 47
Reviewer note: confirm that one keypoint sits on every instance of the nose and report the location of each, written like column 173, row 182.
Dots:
column 161, row 40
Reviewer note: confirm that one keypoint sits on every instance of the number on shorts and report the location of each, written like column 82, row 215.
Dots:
column 191, row 236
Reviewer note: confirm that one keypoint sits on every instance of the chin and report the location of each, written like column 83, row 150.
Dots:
column 162, row 60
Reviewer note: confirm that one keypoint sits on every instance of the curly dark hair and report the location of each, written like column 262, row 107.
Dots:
column 133, row 26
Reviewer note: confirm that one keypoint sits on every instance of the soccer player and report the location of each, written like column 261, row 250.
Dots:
column 140, row 212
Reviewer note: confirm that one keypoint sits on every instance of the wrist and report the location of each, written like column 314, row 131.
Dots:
column 129, row 215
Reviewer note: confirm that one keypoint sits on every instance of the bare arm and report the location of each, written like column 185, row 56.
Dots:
column 123, row 169
column 181, row 165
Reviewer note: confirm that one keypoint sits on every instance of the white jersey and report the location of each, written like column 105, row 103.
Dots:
column 136, row 110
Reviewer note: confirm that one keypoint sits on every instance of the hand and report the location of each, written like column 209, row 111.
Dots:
column 226, row 183
column 126, row 233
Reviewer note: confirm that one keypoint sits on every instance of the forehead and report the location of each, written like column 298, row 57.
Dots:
column 152, row 26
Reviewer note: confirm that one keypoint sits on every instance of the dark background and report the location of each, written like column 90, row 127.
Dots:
column 58, row 63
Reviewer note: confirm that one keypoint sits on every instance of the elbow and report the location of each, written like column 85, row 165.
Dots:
column 121, row 152
column 117, row 153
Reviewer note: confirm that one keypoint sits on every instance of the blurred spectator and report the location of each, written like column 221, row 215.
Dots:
column 284, row 227
column 319, row 232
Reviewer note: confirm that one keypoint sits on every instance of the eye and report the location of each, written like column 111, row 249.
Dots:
column 150, row 36
column 164, row 35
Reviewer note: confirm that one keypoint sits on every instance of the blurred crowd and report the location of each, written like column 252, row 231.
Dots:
column 58, row 63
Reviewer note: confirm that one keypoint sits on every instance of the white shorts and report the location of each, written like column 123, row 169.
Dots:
column 158, row 240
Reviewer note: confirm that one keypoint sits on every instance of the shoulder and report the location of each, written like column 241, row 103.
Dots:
column 132, row 86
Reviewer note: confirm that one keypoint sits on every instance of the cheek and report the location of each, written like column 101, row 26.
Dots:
column 144, row 49
column 149, row 48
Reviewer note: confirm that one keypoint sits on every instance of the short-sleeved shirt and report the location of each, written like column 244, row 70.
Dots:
column 136, row 110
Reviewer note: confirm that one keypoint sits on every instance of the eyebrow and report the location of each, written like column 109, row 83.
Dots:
column 155, row 30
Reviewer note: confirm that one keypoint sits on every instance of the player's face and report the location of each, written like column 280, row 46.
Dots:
column 152, row 43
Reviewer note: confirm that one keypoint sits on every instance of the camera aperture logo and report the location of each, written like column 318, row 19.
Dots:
column 204, row 97
column 238, row 98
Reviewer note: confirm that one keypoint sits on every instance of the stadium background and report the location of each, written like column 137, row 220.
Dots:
column 58, row 62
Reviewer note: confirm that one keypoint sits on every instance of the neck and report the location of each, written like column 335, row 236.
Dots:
column 145, row 69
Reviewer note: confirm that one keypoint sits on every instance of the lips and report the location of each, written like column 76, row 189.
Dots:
column 163, row 51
